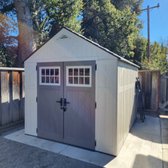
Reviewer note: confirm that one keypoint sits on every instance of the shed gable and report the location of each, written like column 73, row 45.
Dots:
column 66, row 45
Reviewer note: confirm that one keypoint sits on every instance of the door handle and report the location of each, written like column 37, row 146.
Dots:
column 65, row 104
column 61, row 101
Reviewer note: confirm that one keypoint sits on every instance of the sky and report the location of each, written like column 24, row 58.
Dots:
column 158, row 20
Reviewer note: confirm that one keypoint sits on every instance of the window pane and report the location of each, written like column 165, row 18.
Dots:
column 87, row 81
column 70, row 72
column 43, row 71
column 87, row 71
column 70, row 80
column 75, row 80
column 75, row 72
column 79, row 76
column 56, row 72
column 49, row 75
column 52, row 79
column 47, row 71
column 81, row 80
column 43, row 79
column 47, row 79
column 81, row 72
column 56, row 79
column 51, row 72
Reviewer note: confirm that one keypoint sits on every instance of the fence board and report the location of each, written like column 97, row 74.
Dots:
column 22, row 94
column 164, row 92
column 150, row 81
column 15, row 96
column 5, row 109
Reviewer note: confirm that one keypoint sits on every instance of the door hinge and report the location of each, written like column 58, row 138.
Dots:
column 36, row 130
column 36, row 99
column 95, row 142
column 95, row 67
column 95, row 105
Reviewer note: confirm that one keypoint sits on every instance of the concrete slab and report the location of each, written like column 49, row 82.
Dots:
column 165, row 158
column 96, row 158
column 19, row 136
column 92, row 157
column 142, row 148
column 164, row 136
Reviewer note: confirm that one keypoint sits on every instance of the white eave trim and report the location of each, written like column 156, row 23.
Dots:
column 11, row 69
column 128, row 62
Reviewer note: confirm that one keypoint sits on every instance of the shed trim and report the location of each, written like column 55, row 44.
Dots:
column 93, row 43
column 11, row 69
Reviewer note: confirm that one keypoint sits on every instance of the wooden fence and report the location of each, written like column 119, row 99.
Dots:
column 11, row 95
column 164, row 92
column 150, row 81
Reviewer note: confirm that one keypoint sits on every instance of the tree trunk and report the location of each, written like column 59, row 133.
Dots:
column 26, row 43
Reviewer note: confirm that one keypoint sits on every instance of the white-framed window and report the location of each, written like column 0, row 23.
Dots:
column 49, row 75
column 79, row 76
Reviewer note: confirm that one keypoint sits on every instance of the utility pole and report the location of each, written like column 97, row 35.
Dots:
column 148, row 27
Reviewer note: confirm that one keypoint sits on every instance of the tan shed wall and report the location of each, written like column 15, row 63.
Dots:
column 126, row 106
column 30, row 99
column 106, row 116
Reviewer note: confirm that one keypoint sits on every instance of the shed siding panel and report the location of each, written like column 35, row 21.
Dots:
column 126, row 105
column 30, row 99
column 106, row 93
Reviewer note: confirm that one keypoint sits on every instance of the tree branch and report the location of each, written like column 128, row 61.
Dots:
column 7, row 8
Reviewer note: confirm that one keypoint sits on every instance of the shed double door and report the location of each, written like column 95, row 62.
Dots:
column 66, row 102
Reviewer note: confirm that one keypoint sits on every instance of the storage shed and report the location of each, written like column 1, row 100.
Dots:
column 80, row 93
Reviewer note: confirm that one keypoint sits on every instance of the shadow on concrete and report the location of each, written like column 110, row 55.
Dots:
column 142, row 161
column 147, row 130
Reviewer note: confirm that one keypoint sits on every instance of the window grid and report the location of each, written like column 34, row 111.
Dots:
column 79, row 76
column 49, row 76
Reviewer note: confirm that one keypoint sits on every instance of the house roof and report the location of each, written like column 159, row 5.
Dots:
column 94, row 43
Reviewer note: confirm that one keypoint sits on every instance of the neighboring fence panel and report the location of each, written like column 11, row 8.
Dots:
column 164, row 92
column 11, row 95
column 150, row 81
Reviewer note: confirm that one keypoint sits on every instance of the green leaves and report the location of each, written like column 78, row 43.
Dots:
column 50, row 15
column 64, row 13
column 114, row 29
column 6, row 59
column 134, row 5
column 157, row 60
column 114, row 24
